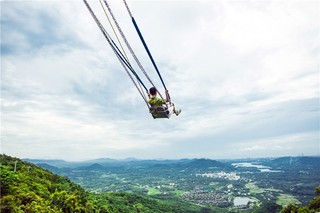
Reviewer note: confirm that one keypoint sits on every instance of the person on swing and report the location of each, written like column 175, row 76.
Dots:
column 155, row 101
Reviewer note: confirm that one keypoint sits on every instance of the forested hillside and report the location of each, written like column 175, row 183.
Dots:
column 312, row 207
column 26, row 187
column 29, row 188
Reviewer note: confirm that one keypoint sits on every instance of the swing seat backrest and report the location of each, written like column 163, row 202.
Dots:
column 159, row 112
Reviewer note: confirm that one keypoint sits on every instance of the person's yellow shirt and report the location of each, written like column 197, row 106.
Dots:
column 155, row 101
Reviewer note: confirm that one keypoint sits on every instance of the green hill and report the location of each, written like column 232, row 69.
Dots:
column 26, row 187
column 205, row 164
column 29, row 188
column 303, row 163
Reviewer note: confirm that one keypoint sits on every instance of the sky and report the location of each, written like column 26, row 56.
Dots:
column 245, row 74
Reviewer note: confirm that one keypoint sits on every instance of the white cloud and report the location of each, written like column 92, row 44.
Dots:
column 283, row 145
column 234, row 67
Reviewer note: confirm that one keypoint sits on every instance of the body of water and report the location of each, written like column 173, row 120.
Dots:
column 258, row 166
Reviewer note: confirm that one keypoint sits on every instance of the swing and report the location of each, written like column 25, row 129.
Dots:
column 164, row 111
column 161, row 111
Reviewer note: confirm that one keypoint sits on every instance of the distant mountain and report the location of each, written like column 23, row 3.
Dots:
column 101, row 161
column 157, row 162
column 106, row 162
column 26, row 187
column 75, row 164
column 303, row 163
column 93, row 167
column 205, row 164
column 51, row 162
column 130, row 159
column 53, row 169
column 283, row 163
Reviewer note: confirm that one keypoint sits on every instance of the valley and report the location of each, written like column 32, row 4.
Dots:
column 228, row 185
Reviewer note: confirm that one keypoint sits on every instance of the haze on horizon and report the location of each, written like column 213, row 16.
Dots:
column 245, row 73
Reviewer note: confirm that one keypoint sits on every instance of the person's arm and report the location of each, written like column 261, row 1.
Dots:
column 167, row 96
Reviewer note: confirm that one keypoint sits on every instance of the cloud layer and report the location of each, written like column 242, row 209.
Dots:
column 245, row 73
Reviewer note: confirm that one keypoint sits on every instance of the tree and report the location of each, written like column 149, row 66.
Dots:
column 291, row 208
column 315, row 202
column 269, row 207
column 7, row 179
column 314, row 205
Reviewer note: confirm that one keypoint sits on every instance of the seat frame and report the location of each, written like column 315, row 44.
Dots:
column 160, row 112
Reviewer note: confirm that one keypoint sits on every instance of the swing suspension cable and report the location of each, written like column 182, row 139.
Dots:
column 113, row 45
column 116, row 35
column 135, row 83
column 123, row 59
column 145, row 45
column 129, row 47
column 126, row 65
column 105, row 12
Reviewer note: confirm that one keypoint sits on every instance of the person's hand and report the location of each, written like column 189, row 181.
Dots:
column 167, row 92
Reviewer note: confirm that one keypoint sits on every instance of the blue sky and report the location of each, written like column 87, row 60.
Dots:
column 245, row 73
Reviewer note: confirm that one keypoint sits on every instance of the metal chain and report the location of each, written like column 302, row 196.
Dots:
column 125, row 3
column 105, row 12
column 128, row 45
column 106, row 35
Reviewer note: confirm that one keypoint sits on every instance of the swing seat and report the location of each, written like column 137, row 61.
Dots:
column 160, row 112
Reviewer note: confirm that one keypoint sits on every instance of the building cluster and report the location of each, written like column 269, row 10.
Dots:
column 201, row 197
column 229, row 176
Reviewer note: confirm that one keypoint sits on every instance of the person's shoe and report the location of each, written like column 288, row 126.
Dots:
column 177, row 112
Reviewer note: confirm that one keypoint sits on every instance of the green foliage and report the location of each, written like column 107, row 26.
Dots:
column 26, row 188
column 312, row 207
column 7, row 179
column 318, row 191
column 315, row 202
column 32, row 189
column 270, row 207
column 126, row 202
